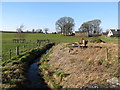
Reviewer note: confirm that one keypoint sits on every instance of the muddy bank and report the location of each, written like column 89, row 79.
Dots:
column 14, row 70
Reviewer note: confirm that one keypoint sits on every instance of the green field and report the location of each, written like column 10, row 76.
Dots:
column 7, row 41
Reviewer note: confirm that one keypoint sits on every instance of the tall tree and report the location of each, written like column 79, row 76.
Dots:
column 84, row 27
column 92, row 26
column 65, row 25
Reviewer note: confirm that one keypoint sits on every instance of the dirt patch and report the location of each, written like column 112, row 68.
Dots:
column 85, row 65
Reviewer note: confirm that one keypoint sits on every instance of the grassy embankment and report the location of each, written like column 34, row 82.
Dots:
column 14, row 70
column 80, row 67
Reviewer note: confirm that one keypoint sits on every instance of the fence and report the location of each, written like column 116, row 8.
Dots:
column 22, row 46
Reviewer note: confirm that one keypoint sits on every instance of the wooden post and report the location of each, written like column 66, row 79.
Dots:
column 17, row 50
column 10, row 53
column 24, row 48
column 48, row 41
column 106, row 53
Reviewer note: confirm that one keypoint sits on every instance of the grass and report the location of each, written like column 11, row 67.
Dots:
column 7, row 37
column 44, row 67
column 7, row 41
column 14, row 71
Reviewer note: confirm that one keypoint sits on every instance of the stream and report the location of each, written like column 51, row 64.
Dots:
column 34, row 78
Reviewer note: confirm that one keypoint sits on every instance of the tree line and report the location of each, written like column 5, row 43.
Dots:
column 21, row 27
column 65, row 26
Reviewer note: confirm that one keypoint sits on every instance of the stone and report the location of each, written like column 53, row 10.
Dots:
column 114, row 80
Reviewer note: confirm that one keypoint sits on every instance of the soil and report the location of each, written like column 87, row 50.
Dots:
column 95, row 64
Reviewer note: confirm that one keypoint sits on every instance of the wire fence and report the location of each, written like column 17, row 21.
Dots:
column 19, row 47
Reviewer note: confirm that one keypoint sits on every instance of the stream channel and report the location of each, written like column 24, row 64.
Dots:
column 34, row 78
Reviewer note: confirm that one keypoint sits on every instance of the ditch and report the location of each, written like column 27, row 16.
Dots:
column 22, row 71
column 35, row 80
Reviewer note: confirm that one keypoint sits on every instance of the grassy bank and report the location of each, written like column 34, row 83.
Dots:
column 80, row 66
column 48, row 73
column 14, row 70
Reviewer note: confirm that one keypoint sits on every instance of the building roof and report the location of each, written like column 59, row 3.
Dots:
column 115, row 32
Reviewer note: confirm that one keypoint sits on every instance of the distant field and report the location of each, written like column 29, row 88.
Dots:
column 7, row 40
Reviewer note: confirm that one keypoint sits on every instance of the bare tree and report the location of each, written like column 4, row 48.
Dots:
column 46, row 30
column 39, row 31
column 20, row 31
column 65, row 25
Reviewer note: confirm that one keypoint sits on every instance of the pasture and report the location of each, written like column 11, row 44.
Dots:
column 8, row 44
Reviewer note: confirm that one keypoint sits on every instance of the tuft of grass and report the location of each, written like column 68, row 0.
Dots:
column 57, row 86
column 60, row 74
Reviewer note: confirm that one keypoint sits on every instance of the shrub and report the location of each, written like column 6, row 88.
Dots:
column 115, row 36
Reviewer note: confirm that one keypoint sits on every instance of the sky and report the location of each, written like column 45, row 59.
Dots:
column 35, row 15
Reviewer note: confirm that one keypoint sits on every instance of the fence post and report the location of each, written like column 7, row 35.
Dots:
column 10, row 53
column 106, row 53
column 17, row 50
column 48, row 41
column 24, row 48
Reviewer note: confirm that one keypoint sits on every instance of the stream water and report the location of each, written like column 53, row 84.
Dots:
column 34, row 78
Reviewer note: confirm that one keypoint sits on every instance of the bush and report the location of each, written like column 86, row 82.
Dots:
column 115, row 36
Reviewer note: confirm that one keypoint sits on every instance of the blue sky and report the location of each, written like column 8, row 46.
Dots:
column 45, row 14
